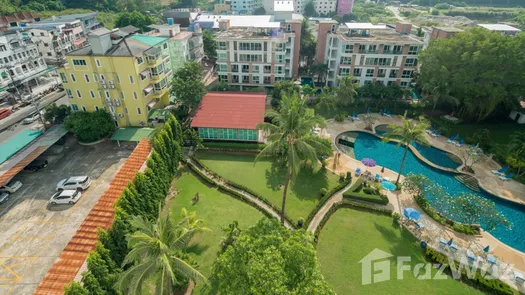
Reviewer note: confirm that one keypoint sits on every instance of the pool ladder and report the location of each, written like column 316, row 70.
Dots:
column 469, row 181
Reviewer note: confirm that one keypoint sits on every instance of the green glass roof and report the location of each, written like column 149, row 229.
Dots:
column 150, row 40
column 132, row 134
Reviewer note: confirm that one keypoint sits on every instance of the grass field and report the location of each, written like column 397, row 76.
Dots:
column 267, row 180
column 217, row 210
column 350, row 235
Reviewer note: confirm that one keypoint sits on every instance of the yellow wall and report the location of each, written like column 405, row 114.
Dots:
column 110, row 67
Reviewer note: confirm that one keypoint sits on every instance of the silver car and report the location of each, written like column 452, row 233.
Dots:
column 65, row 197
column 32, row 118
column 4, row 197
column 79, row 183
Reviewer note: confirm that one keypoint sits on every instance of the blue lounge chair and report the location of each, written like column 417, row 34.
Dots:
column 387, row 113
column 355, row 116
column 453, row 247
column 442, row 241
column 378, row 177
column 518, row 277
column 507, row 177
column 430, row 131
column 491, row 259
column 358, row 172
column 381, row 112
column 460, row 143
column 451, row 140
column 471, row 256
column 501, row 171
column 436, row 134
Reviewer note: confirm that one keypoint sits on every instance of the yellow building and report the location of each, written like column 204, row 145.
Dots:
column 126, row 75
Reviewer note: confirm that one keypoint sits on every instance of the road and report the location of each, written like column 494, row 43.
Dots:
column 395, row 11
column 22, row 113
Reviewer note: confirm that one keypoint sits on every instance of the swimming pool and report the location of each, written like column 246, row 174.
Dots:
column 389, row 156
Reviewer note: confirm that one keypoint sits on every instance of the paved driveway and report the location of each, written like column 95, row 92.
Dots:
column 33, row 233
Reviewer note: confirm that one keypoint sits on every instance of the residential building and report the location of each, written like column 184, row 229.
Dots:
column 231, row 116
column 502, row 29
column 220, row 8
column 370, row 53
column 182, row 16
column 245, row 6
column 18, row 19
column 444, row 32
column 184, row 45
column 325, row 7
column 20, row 63
column 88, row 21
column 128, row 75
column 258, row 50
column 345, row 7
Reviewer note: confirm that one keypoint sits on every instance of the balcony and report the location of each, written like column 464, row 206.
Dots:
column 158, row 93
column 357, row 74
column 392, row 51
column 381, row 75
column 371, row 51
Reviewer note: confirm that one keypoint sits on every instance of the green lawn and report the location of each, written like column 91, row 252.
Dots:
column 350, row 235
column 267, row 179
column 217, row 210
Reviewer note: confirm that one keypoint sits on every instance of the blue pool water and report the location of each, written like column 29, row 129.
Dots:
column 388, row 155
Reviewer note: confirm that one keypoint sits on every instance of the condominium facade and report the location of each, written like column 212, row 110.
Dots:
column 259, row 51
column 245, row 6
column 126, row 75
column 344, row 7
column 370, row 53
column 325, row 7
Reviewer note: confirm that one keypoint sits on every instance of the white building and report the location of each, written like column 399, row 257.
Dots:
column 502, row 29
column 245, row 6
column 20, row 62
column 324, row 7
column 371, row 53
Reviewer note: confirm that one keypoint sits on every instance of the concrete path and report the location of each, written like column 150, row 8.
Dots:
column 337, row 197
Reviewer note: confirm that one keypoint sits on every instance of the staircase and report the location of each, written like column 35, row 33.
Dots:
column 468, row 180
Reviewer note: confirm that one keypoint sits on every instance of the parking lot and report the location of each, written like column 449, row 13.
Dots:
column 32, row 232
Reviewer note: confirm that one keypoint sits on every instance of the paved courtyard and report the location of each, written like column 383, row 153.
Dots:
column 33, row 233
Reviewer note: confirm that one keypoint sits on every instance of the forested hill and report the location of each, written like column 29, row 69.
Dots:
column 502, row 3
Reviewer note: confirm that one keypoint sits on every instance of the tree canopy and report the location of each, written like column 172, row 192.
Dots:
column 208, row 40
column 136, row 19
column 269, row 259
column 481, row 69
column 187, row 86
column 89, row 127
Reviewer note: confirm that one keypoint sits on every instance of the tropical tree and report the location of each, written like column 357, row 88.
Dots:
column 469, row 208
column 438, row 88
column 155, row 251
column 320, row 70
column 187, row 86
column 308, row 43
column 410, row 131
column 346, row 90
column 288, row 131
column 517, row 148
column 369, row 120
column 308, row 91
column 416, row 184
column 208, row 41
column 326, row 100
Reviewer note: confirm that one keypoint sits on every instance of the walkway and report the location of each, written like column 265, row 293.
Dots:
column 249, row 196
column 337, row 197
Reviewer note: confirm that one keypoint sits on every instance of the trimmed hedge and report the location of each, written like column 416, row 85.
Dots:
column 348, row 204
column 491, row 286
column 326, row 197
column 378, row 199
column 456, row 226
column 234, row 145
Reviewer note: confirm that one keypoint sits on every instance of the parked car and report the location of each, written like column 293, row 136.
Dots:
column 65, row 197
column 4, row 113
column 32, row 118
column 36, row 165
column 11, row 187
column 74, row 182
column 4, row 197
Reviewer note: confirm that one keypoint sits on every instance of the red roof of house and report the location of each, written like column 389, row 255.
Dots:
column 239, row 110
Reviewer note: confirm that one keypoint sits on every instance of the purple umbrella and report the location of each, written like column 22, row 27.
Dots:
column 368, row 162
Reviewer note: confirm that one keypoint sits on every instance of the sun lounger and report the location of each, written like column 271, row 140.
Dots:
column 519, row 277
column 451, row 140
column 358, row 172
column 471, row 256
column 501, row 171
column 506, row 177
column 460, row 143
column 420, row 225
column 387, row 114
column 442, row 241
column 436, row 134
column 453, row 247
column 431, row 130
column 491, row 259
column 378, row 177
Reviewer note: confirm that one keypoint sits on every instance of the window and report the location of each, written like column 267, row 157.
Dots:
column 135, row 95
column 223, row 68
column 357, row 72
column 221, row 56
column 413, row 50
column 97, row 61
column 348, row 48
column 102, row 77
column 3, row 48
column 407, row 74
column 411, row 62
column 86, row 76
column 346, row 60
column 369, row 72
column 117, row 78
column 96, row 108
column 398, row 49
column 344, row 71
column 108, row 95
column 79, row 95
column 79, row 62
column 49, row 54
column 250, row 46
column 223, row 78
column 131, row 79
column 255, row 69
column 63, row 77
column 404, row 84
column 122, row 95
column 378, row 61
column 255, row 79
column 91, row 93
column 74, row 107
column 140, row 60
column 126, row 110
column 250, row 57
column 73, row 78
column 84, row 108
column 69, row 93
column 221, row 45
column 393, row 73
column 362, row 48
column 95, row 78
column 139, row 111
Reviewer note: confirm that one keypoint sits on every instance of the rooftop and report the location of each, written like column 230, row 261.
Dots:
column 246, row 21
column 499, row 27
column 283, row 6
column 236, row 110
column 369, row 32
column 250, row 33
column 132, row 134
column 128, row 46
column 73, row 16
column 364, row 26
column 449, row 29
column 150, row 40
column 129, row 29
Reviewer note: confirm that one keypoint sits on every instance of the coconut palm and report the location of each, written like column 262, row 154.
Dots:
column 154, row 253
column 326, row 100
column 346, row 90
column 517, row 148
column 289, row 136
column 410, row 131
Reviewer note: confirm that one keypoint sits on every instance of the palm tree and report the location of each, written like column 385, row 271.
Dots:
column 346, row 90
column 409, row 132
column 155, row 247
column 517, row 147
column 289, row 136
column 326, row 100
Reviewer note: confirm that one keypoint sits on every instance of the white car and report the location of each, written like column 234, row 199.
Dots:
column 74, row 182
column 11, row 187
column 32, row 118
column 4, row 197
column 65, row 197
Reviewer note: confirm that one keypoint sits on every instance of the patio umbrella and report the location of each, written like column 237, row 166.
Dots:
column 368, row 162
column 412, row 213
column 486, row 249
column 388, row 185
column 450, row 242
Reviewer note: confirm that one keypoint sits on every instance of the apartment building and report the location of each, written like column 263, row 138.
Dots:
column 245, row 6
column 20, row 62
column 370, row 53
column 345, row 7
column 258, row 50
column 88, row 21
column 128, row 75
column 18, row 19
column 325, row 7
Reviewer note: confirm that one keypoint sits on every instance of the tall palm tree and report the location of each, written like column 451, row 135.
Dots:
column 346, row 90
column 289, row 131
column 409, row 132
column 517, row 148
column 155, row 247
column 326, row 100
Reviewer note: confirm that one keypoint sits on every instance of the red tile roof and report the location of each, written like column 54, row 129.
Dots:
column 240, row 110
column 86, row 237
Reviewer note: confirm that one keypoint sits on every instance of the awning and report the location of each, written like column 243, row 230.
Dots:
column 148, row 88
column 79, row 41
column 152, row 103
column 132, row 134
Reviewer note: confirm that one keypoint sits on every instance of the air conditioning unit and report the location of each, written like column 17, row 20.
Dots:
column 102, row 81
column 120, row 115
column 117, row 102
column 112, row 86
column 111, row 82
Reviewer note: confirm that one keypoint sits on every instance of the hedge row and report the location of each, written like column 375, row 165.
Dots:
column 348, row 204
column 491, row 286
column 378, row 199
column 457, row 226
column 327, row 197
column 234, row 145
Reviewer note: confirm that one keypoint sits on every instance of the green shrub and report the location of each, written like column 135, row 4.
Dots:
column 339, row 117
column 357, row 186
column 342, row 177
column 323, row 191
column 90, row 126
column 370, row 191
column 396, row 216
column 300, row 222
column 459, row 227
column 348, row 175
column 326, row 197
column 233, row 145
column 378, row 199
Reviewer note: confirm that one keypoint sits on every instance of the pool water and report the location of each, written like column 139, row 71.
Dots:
column 390, row 156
